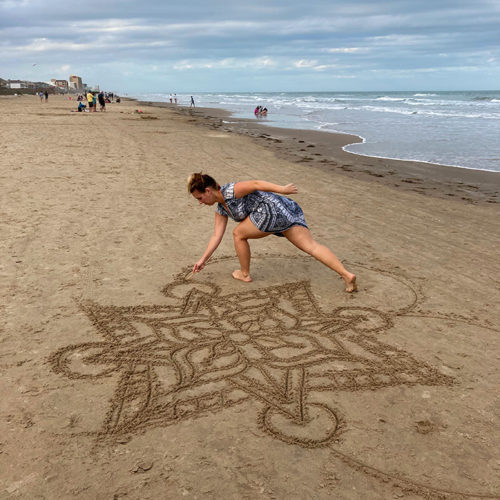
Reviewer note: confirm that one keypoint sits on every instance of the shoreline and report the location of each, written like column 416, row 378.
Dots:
column 451, row 128
column 324, row 150
column 416, row 161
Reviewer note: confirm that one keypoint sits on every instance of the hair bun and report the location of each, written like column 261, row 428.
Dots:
column 199, row 182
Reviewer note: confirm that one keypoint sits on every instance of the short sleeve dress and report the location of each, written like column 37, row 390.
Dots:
column 270, row 212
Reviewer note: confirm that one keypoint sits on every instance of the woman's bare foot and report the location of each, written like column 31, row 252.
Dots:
column 238, row 275
column 350, row 282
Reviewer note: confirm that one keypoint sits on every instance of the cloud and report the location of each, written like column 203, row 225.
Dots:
column 304, row 63
column 228, row 63
column 346, row 50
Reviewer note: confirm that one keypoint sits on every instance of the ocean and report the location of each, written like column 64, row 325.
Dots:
column 449, row 128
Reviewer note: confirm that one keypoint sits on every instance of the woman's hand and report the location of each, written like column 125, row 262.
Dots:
column 290, row 189
column 199, row 266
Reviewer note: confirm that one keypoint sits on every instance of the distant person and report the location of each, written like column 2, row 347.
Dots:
column 46, row 96
column 192, row 103
column 94, row 102
column 256, row 111
column 81, row 107
column 90, row 100
column 118, row 100
column 264, row 112
column 175, row 98
column 260, row 209
column 40, row 94
column 170, row 98
column 102, row 102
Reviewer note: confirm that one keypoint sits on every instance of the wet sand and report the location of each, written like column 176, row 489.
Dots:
column 122, row 379
column 324, row 150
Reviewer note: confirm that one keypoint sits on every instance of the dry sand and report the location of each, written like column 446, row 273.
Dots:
column 120, row 379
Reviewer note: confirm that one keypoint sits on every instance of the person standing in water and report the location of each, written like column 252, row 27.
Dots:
column 260, row 209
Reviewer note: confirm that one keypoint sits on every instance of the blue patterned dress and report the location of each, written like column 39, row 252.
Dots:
column 270, row 212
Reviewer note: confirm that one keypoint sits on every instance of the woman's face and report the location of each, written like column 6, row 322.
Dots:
column 206, row 197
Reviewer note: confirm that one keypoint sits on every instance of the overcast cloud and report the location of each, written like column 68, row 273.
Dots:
column 203, row 45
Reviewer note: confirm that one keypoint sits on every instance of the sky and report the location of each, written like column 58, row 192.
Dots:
column 188, row 46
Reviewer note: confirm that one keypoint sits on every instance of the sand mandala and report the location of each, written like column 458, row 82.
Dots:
column 206, row 350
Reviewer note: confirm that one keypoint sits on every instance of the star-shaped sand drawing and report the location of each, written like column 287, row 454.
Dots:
column 207, row 350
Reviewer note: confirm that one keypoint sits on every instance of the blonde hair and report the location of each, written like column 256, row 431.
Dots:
column 199, row 182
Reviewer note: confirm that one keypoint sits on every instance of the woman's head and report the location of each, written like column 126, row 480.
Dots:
column 202, row 187
column 200, row 182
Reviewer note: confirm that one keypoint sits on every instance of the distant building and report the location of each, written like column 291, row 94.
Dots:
column 17, row 84
column 25, row 86
column 20, row 84
column 62, row 84
column 75, row 82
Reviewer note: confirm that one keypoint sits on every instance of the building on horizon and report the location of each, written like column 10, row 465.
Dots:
column 19, row 84
column 75, row 82
column 24, row 84
column 62, row 84
column 26, row 87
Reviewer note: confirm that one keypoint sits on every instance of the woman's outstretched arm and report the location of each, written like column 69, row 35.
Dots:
column 214, row 242
column 246, row 187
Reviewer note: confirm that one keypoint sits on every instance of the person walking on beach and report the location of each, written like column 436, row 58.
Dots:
column 46, row 96
column 192, row 102
column 102, row 102
column 260, row 210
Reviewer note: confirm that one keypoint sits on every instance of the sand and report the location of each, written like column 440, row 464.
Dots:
column 122, row 379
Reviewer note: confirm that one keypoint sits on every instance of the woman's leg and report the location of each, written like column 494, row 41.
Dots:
column 243, row 232
column 301, row 237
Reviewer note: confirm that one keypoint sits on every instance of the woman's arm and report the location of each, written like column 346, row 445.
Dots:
column 246, row 187
column 213, row 243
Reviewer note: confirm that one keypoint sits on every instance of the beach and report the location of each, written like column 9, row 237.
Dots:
column 325, row 150
column 453, row 128
column 123, row 379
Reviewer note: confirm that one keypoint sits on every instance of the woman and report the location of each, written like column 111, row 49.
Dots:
column 260, row 210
